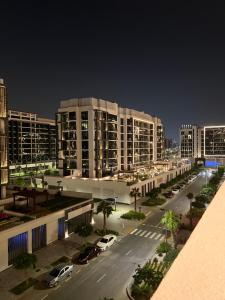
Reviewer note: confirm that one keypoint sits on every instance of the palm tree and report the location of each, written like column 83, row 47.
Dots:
column 190, row 196
column 106, row 209
column 135, row 193
column 171, row 222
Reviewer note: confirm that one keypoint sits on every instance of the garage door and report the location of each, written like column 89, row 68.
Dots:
column 16, row 246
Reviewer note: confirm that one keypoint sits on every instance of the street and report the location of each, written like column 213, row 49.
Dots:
column 109, row 274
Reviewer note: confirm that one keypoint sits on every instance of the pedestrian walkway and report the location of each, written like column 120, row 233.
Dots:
column 147, row 234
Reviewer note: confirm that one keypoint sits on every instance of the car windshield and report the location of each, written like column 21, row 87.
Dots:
column 103, row 240
column 55, row 272
column 88, row 249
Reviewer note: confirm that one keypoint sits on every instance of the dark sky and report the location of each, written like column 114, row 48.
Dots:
column 166, row 58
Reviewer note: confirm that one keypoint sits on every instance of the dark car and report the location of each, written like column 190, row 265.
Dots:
column 168, row 194
column 89, row 253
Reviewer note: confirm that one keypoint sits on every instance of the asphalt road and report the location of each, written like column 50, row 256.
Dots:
column 109, row 274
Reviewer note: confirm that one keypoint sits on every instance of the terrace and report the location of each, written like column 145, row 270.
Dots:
column 9, row 220
column 32, row 204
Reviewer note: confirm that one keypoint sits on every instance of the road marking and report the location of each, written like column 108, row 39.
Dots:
column 158, row 235
column 148, row 213
column 148, row 234
column 44, row 297
column 151, row 236
column 132, row 232
column 139, row 231
column 101, row 278
column 128, row 252
column 162, row 238
column 144, row 232
column 77, row 271
column 143, row 224
column 56, row 288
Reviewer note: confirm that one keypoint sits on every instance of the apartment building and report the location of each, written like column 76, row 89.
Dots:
column 3, row 140
column 97, row 138
column 32, row 140
column 206, row 142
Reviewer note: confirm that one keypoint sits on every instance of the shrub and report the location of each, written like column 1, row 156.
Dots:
column 84, row 229
column 201, row 198
column 47, row 172
column 163, row 247
column 198, row 204
column 197, row 212
column 171, row 256
column 133, row 215
column 25, row 260
column 101, row 232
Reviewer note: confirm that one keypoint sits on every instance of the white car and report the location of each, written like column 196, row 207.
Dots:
column 175, row 191
column 106, row 241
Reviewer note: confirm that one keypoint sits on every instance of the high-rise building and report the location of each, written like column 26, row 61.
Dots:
column 189, row 141
column 97, row 138
column 32, row 140
column 3, row 140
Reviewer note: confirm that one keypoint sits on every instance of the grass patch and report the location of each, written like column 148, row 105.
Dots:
column 108, row 231
column 61, row 260
column 23, row 286
column 154, row 202
column 133, row 215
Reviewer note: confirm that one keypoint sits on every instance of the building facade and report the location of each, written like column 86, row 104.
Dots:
column 3, row 140
column 32, row 140
column 203, row 142
column 97, row 138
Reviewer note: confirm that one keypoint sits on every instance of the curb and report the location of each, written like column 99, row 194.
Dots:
column 128, row 292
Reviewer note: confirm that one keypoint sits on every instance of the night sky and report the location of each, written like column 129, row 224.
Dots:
column 166, row 58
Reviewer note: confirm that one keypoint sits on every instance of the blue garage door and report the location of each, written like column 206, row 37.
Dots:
column 38, row 237
column 16, row 246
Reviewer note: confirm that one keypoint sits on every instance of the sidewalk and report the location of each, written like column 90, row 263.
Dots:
column 67, row 247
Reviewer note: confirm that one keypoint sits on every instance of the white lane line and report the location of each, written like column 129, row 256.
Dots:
column 44, row 297
column 67, row 279
column 157, row 236
column 148, row 234
column 128, row 252
column 56, row 288
column 144, row 232
column 132, row 232
column 162, row 238
column 139, row 231
column 151, row 236
column 148, row 213
column 101, row 278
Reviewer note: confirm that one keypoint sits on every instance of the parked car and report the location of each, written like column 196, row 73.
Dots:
column 175, row 191
column 58, row 274
column 168, row 194
column 89, row 253
column 106, row 241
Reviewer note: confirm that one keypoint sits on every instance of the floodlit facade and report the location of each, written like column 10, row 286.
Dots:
column 97, row 138
column 189, row 141
column 3, row 140
column 32, row 140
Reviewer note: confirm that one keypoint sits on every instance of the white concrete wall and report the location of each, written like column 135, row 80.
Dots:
column 3, row 255
column 106, row 188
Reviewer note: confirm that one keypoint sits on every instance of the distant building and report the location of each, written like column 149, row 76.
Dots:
column 203, row 142
column 32, row 140
column 189, row 141
column 3, row 140
column 97, row 138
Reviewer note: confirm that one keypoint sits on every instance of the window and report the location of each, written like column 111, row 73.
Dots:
column 84, row 125
column 72, row 115
column 84, row 115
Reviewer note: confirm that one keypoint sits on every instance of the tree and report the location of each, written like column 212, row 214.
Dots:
column 106, row 209
column 171, row 222
column 190, row 196
column 135, row 193
column 25, row 261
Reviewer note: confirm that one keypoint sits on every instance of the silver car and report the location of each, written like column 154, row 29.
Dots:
column 58, row 274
